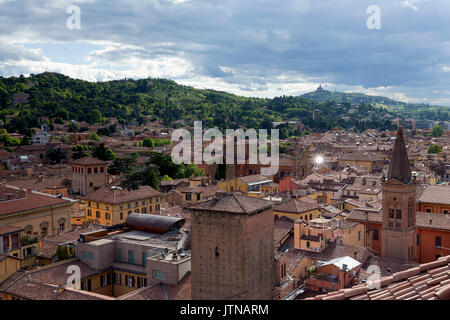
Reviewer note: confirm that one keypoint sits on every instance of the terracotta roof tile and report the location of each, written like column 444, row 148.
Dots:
column 31, row 201
column 296, row 206
column 88, row 160
column 233, row 203
column 118, row 195
column 432, row 283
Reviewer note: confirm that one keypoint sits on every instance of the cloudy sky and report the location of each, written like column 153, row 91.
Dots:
column 261, row 48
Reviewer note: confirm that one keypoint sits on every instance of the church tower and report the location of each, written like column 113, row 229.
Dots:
column 399, row 206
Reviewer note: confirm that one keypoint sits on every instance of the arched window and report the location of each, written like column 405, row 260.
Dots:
column 95, row 170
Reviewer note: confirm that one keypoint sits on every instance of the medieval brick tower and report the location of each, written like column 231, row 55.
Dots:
column 399, row 206
column 232, row 248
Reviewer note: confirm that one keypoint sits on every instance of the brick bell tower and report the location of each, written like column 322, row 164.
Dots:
column 399, row 206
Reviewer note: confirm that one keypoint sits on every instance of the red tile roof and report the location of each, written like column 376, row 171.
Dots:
column 429, row 281
column 32, row 201
column 296, row 206
column 232, row 203
column 4, row 230
column 117, row 195
column 88, row 160
column 436, row 194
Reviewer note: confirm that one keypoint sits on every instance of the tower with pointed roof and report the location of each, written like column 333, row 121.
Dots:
column 399, row 206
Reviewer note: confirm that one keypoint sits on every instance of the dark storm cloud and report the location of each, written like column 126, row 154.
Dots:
column 258, row 40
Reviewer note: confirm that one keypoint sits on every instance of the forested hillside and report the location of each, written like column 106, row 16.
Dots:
column 52, row 95
column 407, row 110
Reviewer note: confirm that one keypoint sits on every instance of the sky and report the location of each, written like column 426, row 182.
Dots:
column 260, row 48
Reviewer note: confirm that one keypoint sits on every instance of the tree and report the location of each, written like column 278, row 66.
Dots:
column 94, row 137
column 122, row 165
column 95, row 116
column 141, row 176
column 166, row 178
column 434, row 148
column 148, row 142
column 191, row 170
column 437, row 131
column 79, row 151
column 55, row 155
column 104, row 153
column 221, row 171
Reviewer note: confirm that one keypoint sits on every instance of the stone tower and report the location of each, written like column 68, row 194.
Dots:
column 232, row 248
column 399, row 206
column 88, row 175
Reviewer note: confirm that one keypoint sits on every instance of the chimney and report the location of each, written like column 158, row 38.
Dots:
column 219, row 194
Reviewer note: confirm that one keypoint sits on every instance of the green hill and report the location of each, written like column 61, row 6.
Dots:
column 23, row 100
column 408, row 110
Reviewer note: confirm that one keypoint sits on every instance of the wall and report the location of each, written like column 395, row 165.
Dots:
column 243, row 267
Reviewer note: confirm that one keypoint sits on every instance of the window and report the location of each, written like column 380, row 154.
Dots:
column 138, row 280
column 143, row 202
column 217, row 252
column 119, row 254
column 307, row 244
column 150, row 208
column 136, row 204
column 144, row 257
column 157, row 274
column 61, row 227
column 359, row 235
column 428, row 210
column 144, row 210
column 375, row 234
column 89, row 212
column 418, row 240
column 83, row 285
column 5, row 243
column 97, row 214
column 391, row 213
column 129, row 280
column 121, row 216
column 107, row 216
column 129, row 205
column 103, row 280
column 157, row 207
column 188, row 197
column 399, row 214
column 438, row 241
column 87, row 255
column 89, row 170
column 95, row 170
column 198, row 196
column 131, row 256
column 445, row 211
column 118, row 278
column 89, row 285
column 102, row 169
